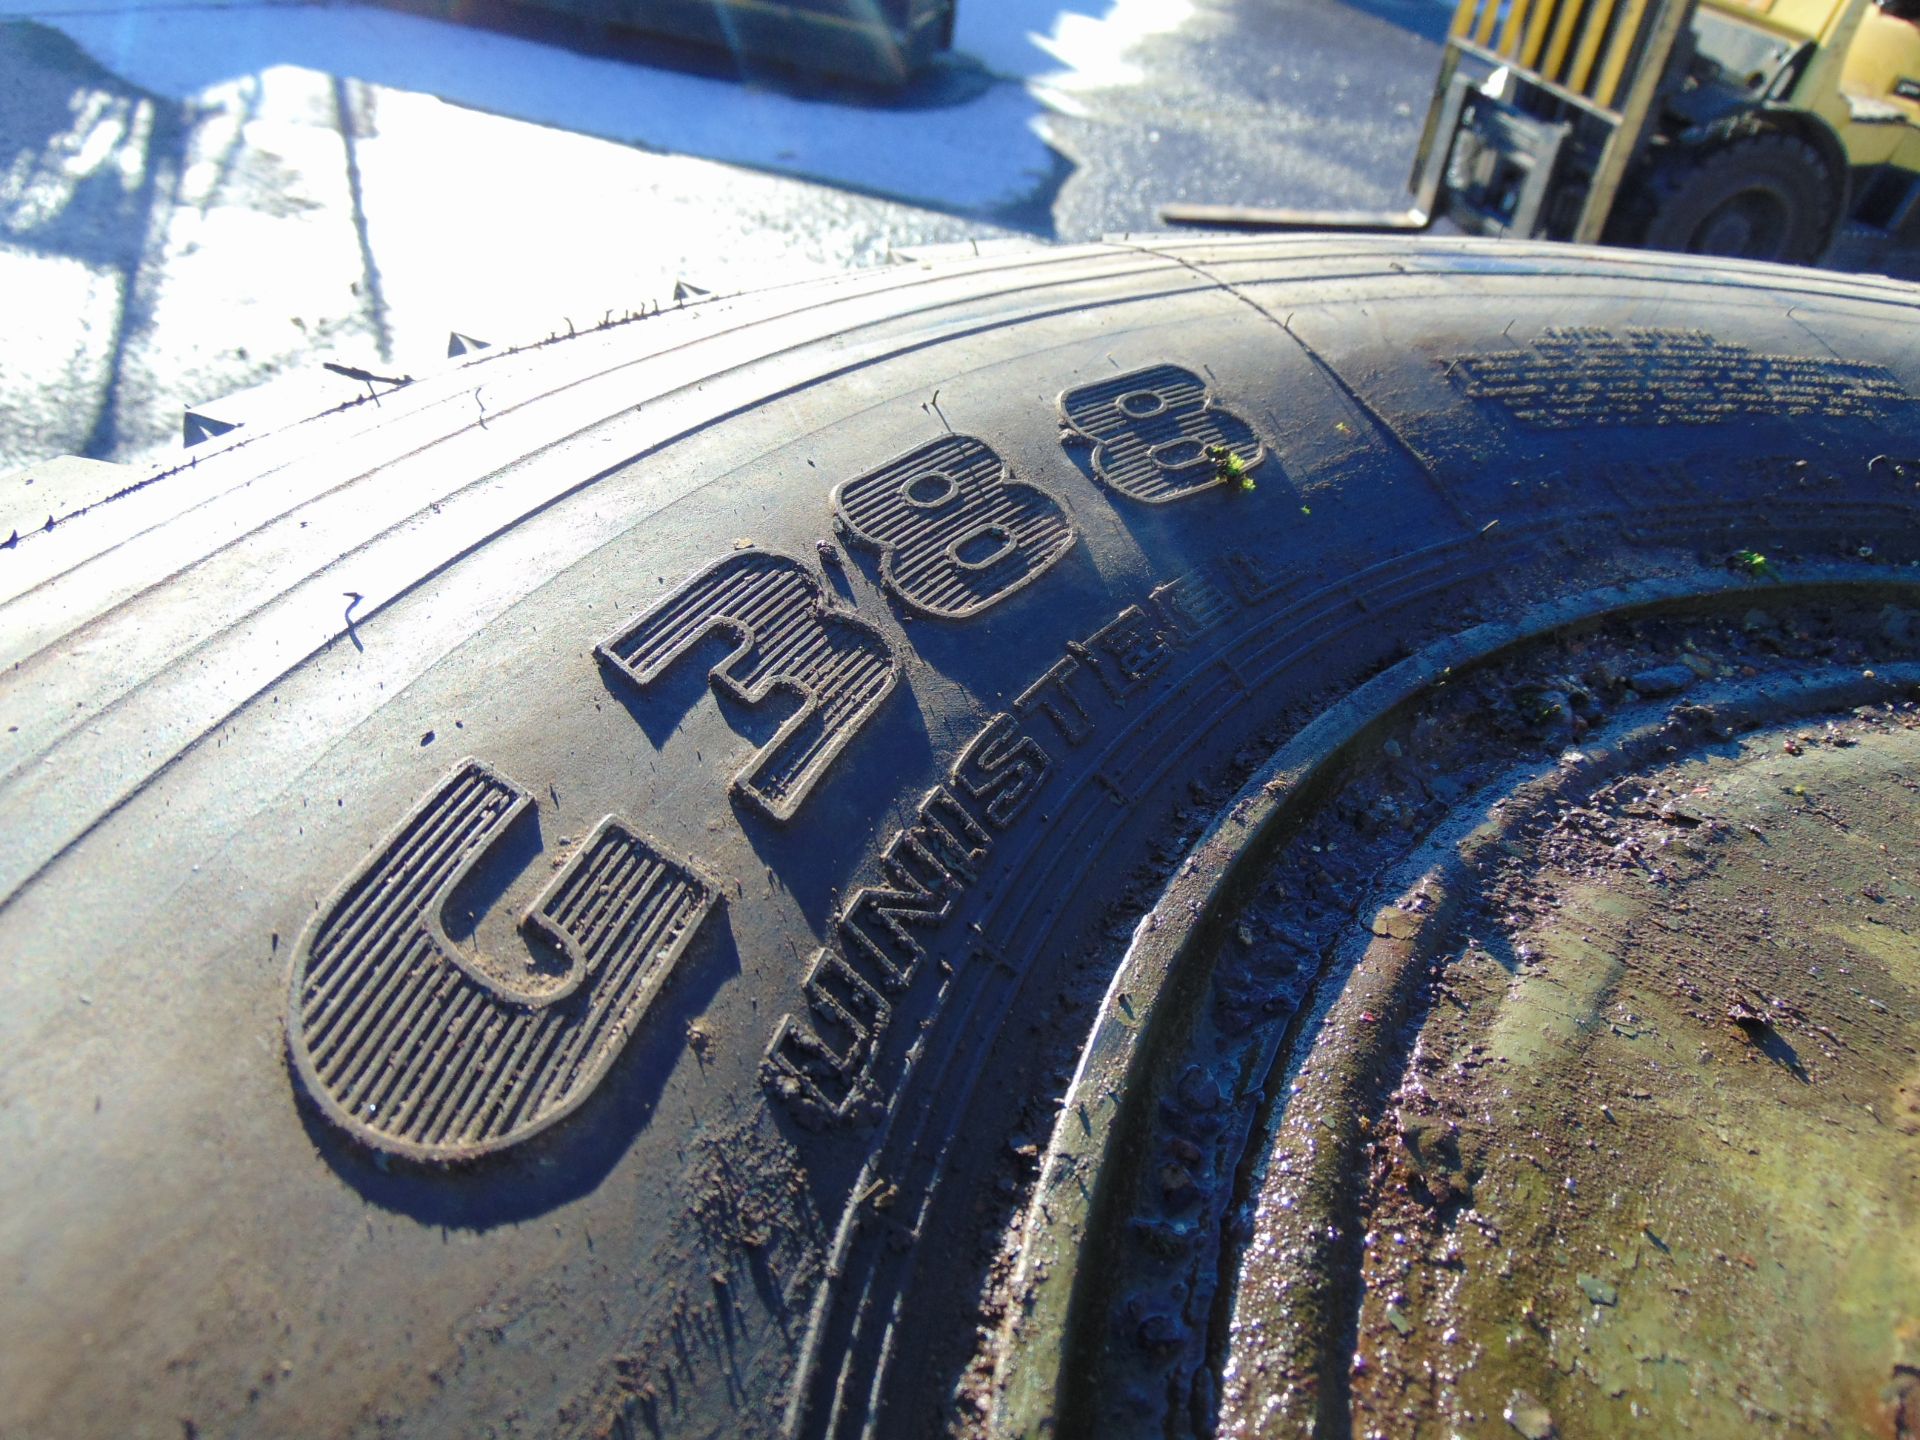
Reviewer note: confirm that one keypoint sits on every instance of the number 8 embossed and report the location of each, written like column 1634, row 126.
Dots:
column 1151, row 430
column 955, row 531
column 791, row 640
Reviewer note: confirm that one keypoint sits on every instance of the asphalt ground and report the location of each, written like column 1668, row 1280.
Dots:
column 201, row 205
column 198, row 200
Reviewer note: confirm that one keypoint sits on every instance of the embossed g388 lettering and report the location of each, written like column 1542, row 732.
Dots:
column 956, row 533
column 416, row 1048
column 1150, row 431
column 791, row 640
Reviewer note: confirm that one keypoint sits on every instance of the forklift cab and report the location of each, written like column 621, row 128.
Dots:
column 1880, row 86
column 1851, row 66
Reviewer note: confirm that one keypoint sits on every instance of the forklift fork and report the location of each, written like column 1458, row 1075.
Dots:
column 1430, row 167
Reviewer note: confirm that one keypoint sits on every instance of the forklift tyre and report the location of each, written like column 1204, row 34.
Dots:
column 1768, row 196
column 839, row 670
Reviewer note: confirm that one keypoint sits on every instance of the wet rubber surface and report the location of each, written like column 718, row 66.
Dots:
column 705, row 777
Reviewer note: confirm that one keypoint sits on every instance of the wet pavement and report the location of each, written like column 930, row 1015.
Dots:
column 200, row 200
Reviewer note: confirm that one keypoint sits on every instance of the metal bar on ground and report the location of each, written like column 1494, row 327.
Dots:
column 1253, row 217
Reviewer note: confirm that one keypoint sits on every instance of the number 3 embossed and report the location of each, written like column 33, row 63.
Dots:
column 791, row 640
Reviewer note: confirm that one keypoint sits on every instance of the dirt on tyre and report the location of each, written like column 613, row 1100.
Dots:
column 661, row 883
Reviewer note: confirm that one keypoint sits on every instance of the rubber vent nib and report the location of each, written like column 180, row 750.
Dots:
column 195, row 428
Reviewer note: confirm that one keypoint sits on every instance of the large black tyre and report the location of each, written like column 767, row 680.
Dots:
column 1765, row 196
column 725, row 1135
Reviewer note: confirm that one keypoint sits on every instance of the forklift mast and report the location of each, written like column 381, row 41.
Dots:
column 1540, row 109
column 1746, row 127
column 1545, row 141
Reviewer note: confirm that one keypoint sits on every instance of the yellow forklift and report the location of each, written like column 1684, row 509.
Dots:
column 1751, row 128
